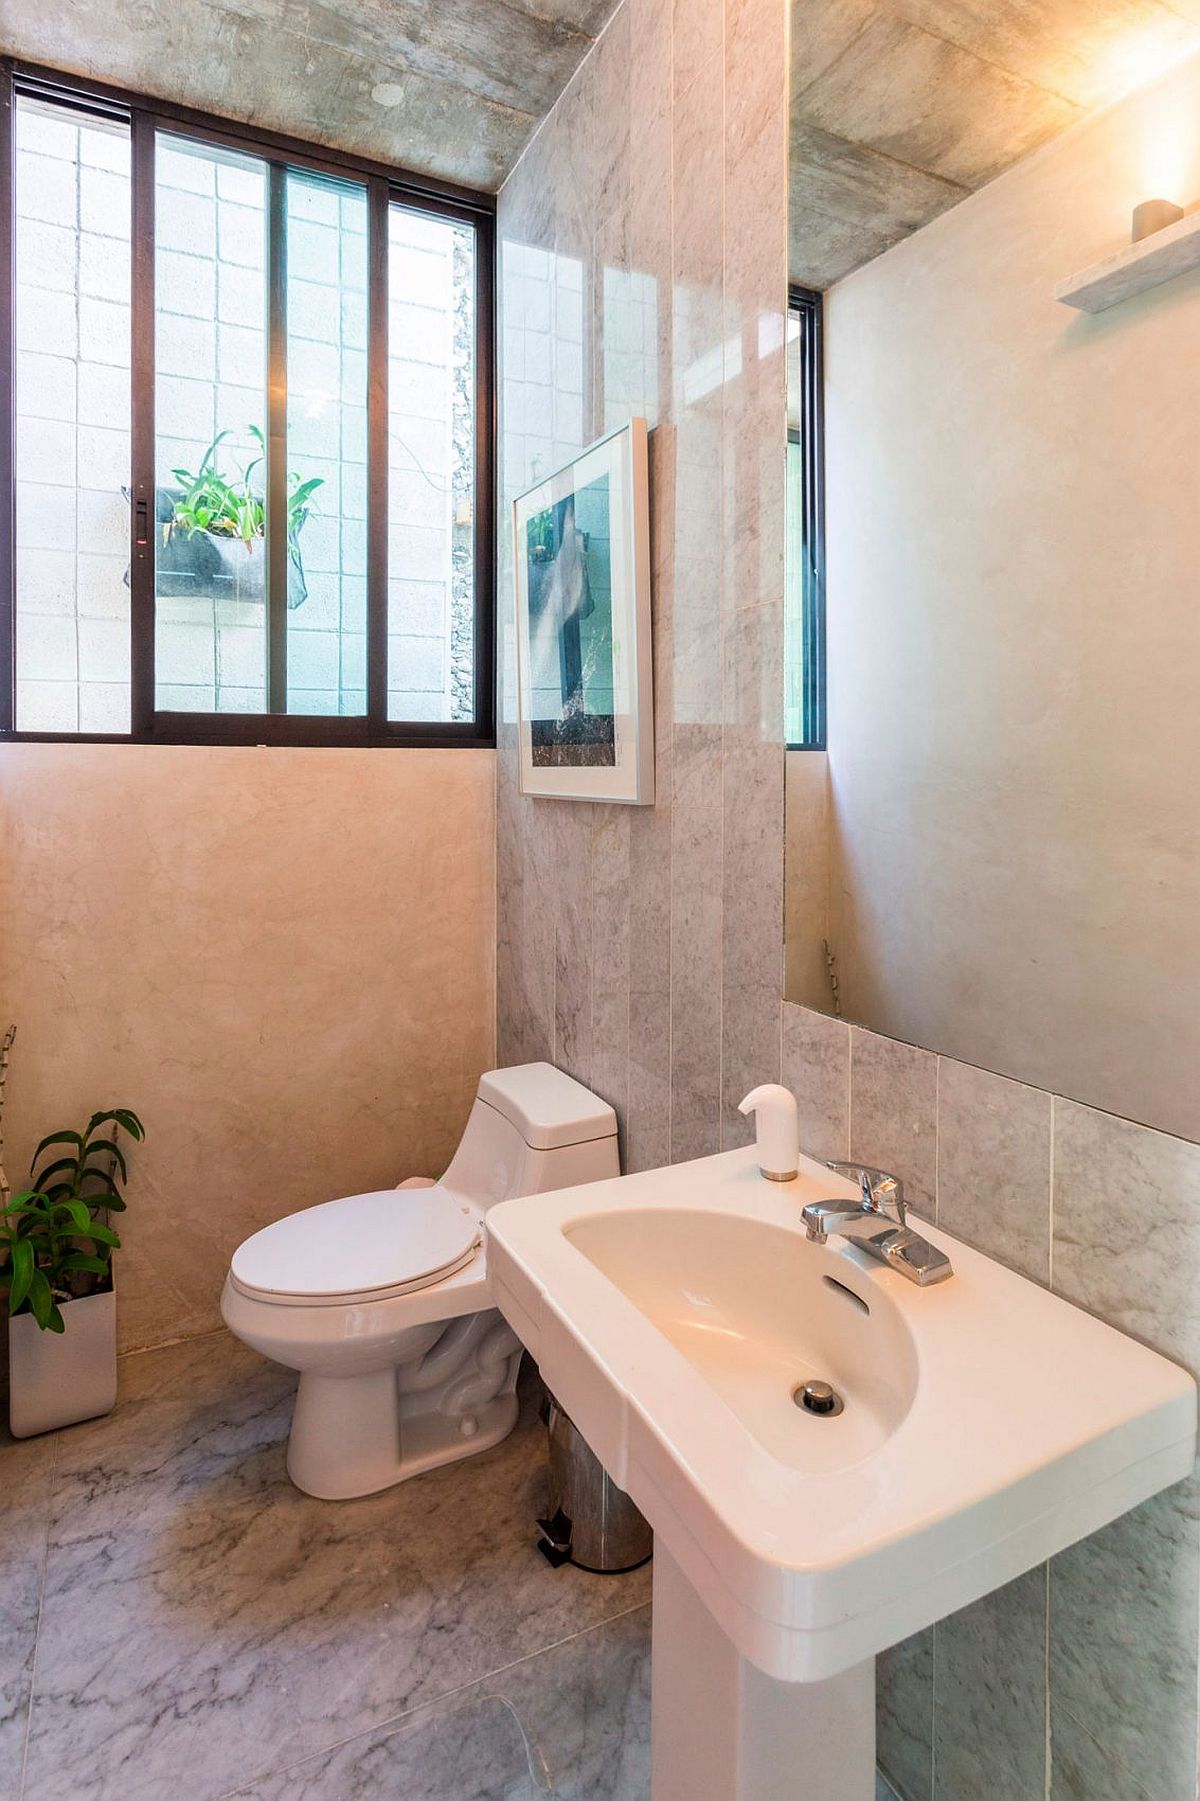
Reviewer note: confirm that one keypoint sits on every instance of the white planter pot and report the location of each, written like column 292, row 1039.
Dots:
column 60, row 1378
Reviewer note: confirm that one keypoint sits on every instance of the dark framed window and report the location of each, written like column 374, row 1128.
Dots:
column 805, row 563
column 246, row 465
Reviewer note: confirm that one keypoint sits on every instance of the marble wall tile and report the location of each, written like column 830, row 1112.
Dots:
column 752, row 925
column 1127, row 1227
column 566, row 834
column 904, row 1678
column 893, row 1112
column 1124, row 1611
column 990, row 1716
column 696, row 942
column 993, row 1165
column 611, row 979
column 816, row 1067
column 288, row 970
column 1081, row 1771
column 698, row 360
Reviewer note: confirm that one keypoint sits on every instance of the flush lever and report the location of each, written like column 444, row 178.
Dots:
column 141, row 519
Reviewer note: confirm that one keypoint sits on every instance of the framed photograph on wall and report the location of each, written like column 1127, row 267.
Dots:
column 581, row 555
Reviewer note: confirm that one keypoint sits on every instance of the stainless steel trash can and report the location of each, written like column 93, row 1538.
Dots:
column 589, row 1522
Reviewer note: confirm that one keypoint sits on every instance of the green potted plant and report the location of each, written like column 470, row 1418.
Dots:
column 56, row 1246
column 212, row 529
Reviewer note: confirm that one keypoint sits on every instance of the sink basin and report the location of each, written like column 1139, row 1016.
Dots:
column 756, row 1312
column 986, row 1423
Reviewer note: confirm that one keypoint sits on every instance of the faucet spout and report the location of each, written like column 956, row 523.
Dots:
column 867, row 1223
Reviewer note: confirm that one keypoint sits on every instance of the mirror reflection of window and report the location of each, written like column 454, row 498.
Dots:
column 805, row 567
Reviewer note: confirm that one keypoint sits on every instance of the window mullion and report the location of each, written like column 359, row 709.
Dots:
column 277, row 449
column 143, row 523
column 377, row 453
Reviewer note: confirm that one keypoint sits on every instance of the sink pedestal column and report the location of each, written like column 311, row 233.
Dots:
column 722, row 1730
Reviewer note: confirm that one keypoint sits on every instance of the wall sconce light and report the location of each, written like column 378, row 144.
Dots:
column 1152, row 216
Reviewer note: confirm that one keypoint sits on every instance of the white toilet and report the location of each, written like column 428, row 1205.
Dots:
column 381, row 1300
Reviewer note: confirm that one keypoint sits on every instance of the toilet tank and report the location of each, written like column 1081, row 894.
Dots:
column 532, row 1128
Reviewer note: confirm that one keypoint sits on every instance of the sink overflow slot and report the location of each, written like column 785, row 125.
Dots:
column 832, row 1282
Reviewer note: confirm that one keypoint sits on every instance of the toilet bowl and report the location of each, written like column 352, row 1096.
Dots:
column 380, row 1300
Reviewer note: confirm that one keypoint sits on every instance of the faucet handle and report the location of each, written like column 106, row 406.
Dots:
column 879, row 1186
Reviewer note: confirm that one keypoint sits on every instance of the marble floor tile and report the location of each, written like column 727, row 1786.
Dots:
column 26, row 1470
column 200, row 1614
column 572, row 1722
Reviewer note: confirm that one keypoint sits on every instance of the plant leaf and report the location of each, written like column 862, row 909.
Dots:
column 108, row 1147
column 57, row 1138
column 53, row 1169
column 83, row 1260
column 23, row 1270
column 41, row 1301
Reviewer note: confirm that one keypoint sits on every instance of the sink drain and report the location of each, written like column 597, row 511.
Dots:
column 818, row 1398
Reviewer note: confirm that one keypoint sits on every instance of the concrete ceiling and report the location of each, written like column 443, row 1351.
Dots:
column 452, row 88
column 901, row 108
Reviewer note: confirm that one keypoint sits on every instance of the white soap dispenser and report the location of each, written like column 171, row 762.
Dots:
column 777, row 1123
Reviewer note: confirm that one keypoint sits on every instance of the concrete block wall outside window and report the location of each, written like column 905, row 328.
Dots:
column 73, row 442
column 72, row 423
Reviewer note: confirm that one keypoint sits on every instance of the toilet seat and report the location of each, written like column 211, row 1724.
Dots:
column 359, row 1248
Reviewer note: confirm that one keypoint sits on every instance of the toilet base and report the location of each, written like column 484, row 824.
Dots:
column 356, row 1434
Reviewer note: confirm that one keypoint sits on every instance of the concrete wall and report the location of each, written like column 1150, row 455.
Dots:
column 282, row 959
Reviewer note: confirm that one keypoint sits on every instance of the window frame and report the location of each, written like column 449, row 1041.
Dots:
column 385, row 186
column 807, row 304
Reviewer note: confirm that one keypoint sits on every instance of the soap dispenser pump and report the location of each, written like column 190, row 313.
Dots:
column 777, row 1123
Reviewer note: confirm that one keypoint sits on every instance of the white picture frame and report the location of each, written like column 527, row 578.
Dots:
column 585, row 685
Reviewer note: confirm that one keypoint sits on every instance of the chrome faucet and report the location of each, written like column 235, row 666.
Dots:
column 878, row 1224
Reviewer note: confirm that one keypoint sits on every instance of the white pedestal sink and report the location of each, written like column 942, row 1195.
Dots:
column 986, row 1425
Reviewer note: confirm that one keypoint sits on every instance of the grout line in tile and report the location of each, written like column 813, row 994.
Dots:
column 395, row 1721
column 1136, row 1791
column 937, row 1138
column 1050, row 1211
column 168, row 1344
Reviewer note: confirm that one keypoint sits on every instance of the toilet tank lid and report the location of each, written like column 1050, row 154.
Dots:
column 548, row 1108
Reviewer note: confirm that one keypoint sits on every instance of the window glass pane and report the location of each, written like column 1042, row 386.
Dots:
column 327, row 444
column 431, row 467
column 72, row 421
column 210, row 410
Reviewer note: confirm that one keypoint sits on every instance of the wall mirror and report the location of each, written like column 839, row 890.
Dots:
column 993, row 596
